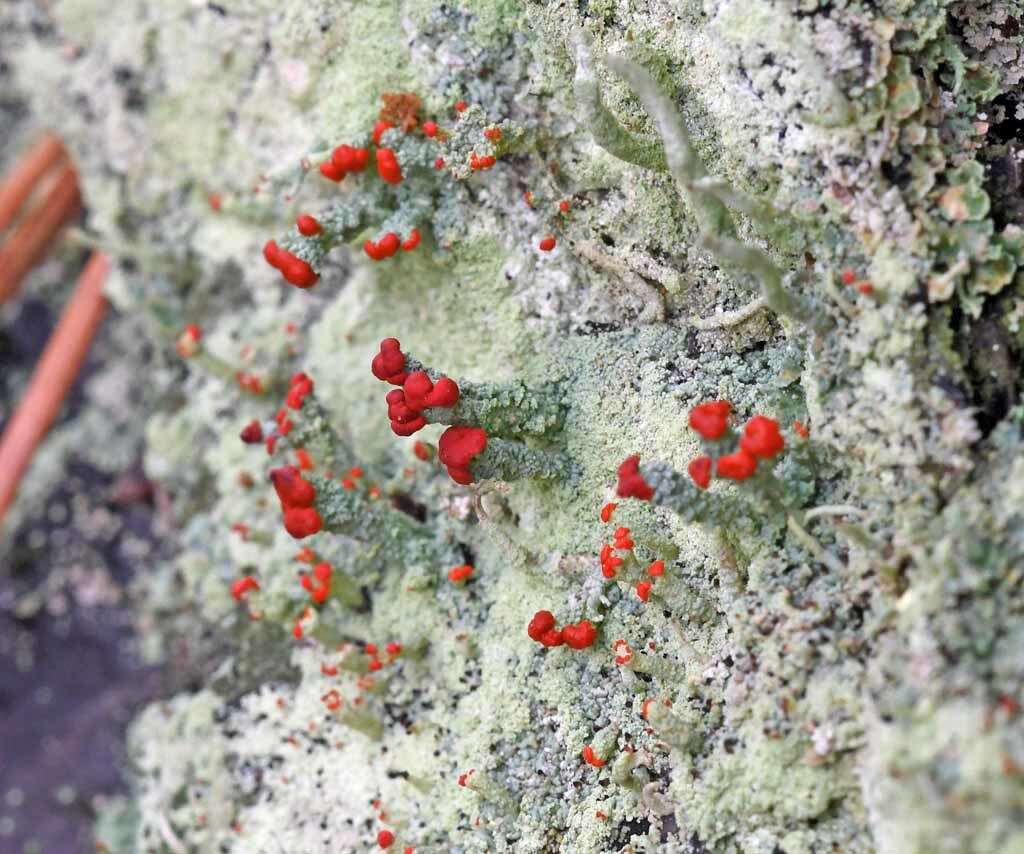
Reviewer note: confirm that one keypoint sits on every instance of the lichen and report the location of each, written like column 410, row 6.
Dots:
column 832, row 661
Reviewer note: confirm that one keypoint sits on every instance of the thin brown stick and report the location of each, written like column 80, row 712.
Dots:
column 28, row 242
column 21, row 181
column 53, row 377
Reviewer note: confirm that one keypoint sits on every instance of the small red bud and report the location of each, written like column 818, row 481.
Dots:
column 412, row 241
column 252, row 433
column 738, row 466
column 541, row 622
column 302, row 521
column 430, row 129
column 761, row 438
column 243, row 585
column 458, row 574
column 700, row 471
column 631, row 482
column 580, row 636
column 547, row 244
column 331, row 171
column 308, row 225
column 379, row 130
column 388, row 167
column 711, row 419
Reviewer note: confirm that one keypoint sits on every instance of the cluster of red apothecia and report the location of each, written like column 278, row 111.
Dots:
column 761, row 440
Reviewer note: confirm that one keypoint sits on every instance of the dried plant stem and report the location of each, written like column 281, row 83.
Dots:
column 53, row 377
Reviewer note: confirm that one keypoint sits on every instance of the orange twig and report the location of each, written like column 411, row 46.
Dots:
column 53, row 377
column 28, row 242
column 19, row 183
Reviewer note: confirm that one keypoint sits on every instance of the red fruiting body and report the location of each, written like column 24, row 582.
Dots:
column 459, row 574
column 404, row 419
column 430, row 129
column 412, row 241
column 243, row 585
column 546, row 244
column 580, row 636
column 541, row 622
column 865, row 288
column 591, row 758
column 308, row 225
column 479, row 162
column 422, row 450
column 322, row 572
column 394, row 648
column 290, row 487
column 304, row 460
column 456, row 449
column 332, row 699
column 252, row 433
column 295, row 271
column 609, row 563
column 370, row 649
column 738, row 466
column 761, row 438
column 301, row 387
column 385, row 838
column 801, row 429
column 421, row 393
column 387, row 246
column 374, row 665
column 188, row 342
column 439, row 163
column 298, row 272
column 656, row 569
column 349, row 159
column 464, row 777
column 700, row 471
column 493, row 134
column 552, row 637
column 623, row 654
column 332, row 171
column 379, row 129
column 622, row 539
column 643, row 590
column 848, row 277
column 214, row 201
column 388, row 167
column 711, row 419
column 564, row 206
column 302, row 522
column 631, row 482
column 460, row 106
column 271, row 254
column 249, row 382
column 389, row 364
column 607, row 511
